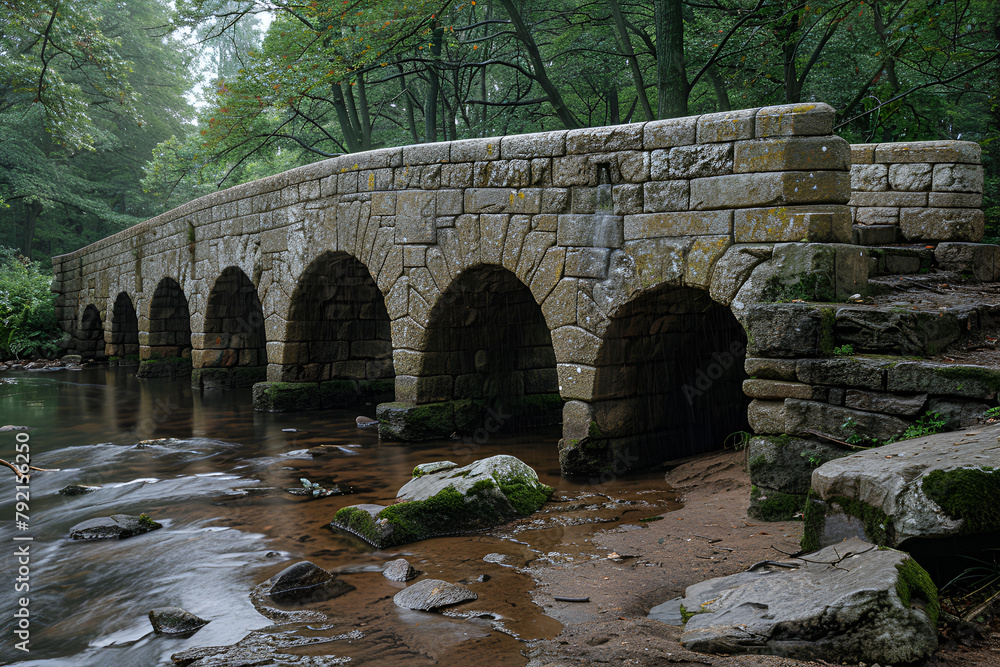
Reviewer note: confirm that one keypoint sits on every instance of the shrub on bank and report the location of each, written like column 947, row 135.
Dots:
column 28, row 325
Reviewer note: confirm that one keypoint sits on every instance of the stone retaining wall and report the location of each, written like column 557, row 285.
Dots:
column 822, row 373
column 927, row 191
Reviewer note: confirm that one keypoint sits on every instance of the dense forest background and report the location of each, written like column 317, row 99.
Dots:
column 112, row 112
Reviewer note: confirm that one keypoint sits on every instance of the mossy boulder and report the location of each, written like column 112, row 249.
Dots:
column 942, row 485
column 849, row 603
column 483, row 494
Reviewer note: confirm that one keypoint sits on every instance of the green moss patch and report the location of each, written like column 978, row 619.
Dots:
column 446, row 513
column 969, row 494
column 915, row 585
column 879, row 527
column 770, row 505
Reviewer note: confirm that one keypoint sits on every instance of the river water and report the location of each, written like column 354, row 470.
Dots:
column 216, row 477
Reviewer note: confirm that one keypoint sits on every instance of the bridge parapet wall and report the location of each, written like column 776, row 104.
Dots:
column 924, row 191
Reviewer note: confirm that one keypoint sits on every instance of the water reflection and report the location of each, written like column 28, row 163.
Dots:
column 217, row 481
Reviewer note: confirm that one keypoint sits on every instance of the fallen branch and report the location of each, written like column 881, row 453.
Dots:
column 832, row 439
column 18, row 472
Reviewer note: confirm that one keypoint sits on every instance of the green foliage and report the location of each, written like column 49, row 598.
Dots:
column 28, row 323
column 740, row 440
column 843, row 350
column 928, row 424
column 992, row 413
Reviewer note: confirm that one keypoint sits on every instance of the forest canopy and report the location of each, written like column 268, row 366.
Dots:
column 97, row 133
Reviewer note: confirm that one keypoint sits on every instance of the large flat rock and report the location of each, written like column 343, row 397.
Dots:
column 851, row 602
column 936, row 486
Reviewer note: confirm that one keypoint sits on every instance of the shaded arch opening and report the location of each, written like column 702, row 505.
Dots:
column 124, row 330
column 233, row 353
column 338, row 335
column 90, row 335
column 669, row 379
column 489, row 352
column 168, row 347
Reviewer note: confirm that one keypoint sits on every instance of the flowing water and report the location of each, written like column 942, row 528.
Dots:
column 216, row 476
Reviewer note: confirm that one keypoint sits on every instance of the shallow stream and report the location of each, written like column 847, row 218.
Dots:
column 216, row 477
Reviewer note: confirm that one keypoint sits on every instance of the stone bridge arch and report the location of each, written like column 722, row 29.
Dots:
column 337, row 347
column 606, row 228
column 90, row 336
column 124, row 329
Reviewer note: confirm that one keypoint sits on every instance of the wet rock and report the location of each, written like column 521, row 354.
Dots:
column 9, row 427
column 432, row 594
column 114, row 527
column 174, row 621
column 366, row 422
column 847, row 603
column 936, row 486
column 399, row 570
column 265, row 647
column 78, row 489
column 305, row 582
column 437, row 466
column 481, row 495
column 72, row 359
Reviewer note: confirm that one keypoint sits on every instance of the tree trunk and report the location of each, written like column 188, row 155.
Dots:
column 32, row 212
column 430, row 106
column 671, row 78
column 721, row 92
column 633, row 62
column 538, row 66
column 409, row 100
column 340, row 106
column 789, row 47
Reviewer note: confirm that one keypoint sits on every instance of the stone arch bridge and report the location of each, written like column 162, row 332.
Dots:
column 593, row 278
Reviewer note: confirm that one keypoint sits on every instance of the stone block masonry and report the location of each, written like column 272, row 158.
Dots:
column 581, row 275
column 926, row 192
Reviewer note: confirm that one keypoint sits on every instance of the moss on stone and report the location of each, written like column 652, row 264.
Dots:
column 248, row 376
column 986, row 376
column 773, row 505
column 282, row 396
column 525, row 498
column 147, row 522
column 879, row 527
column 969, row 494
column 338, row 393
column 445, row 513
column 688, row 615
column 588, row 456
column 814, row 523
column 915, row 584
column 827, row 339
column 371, row 389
